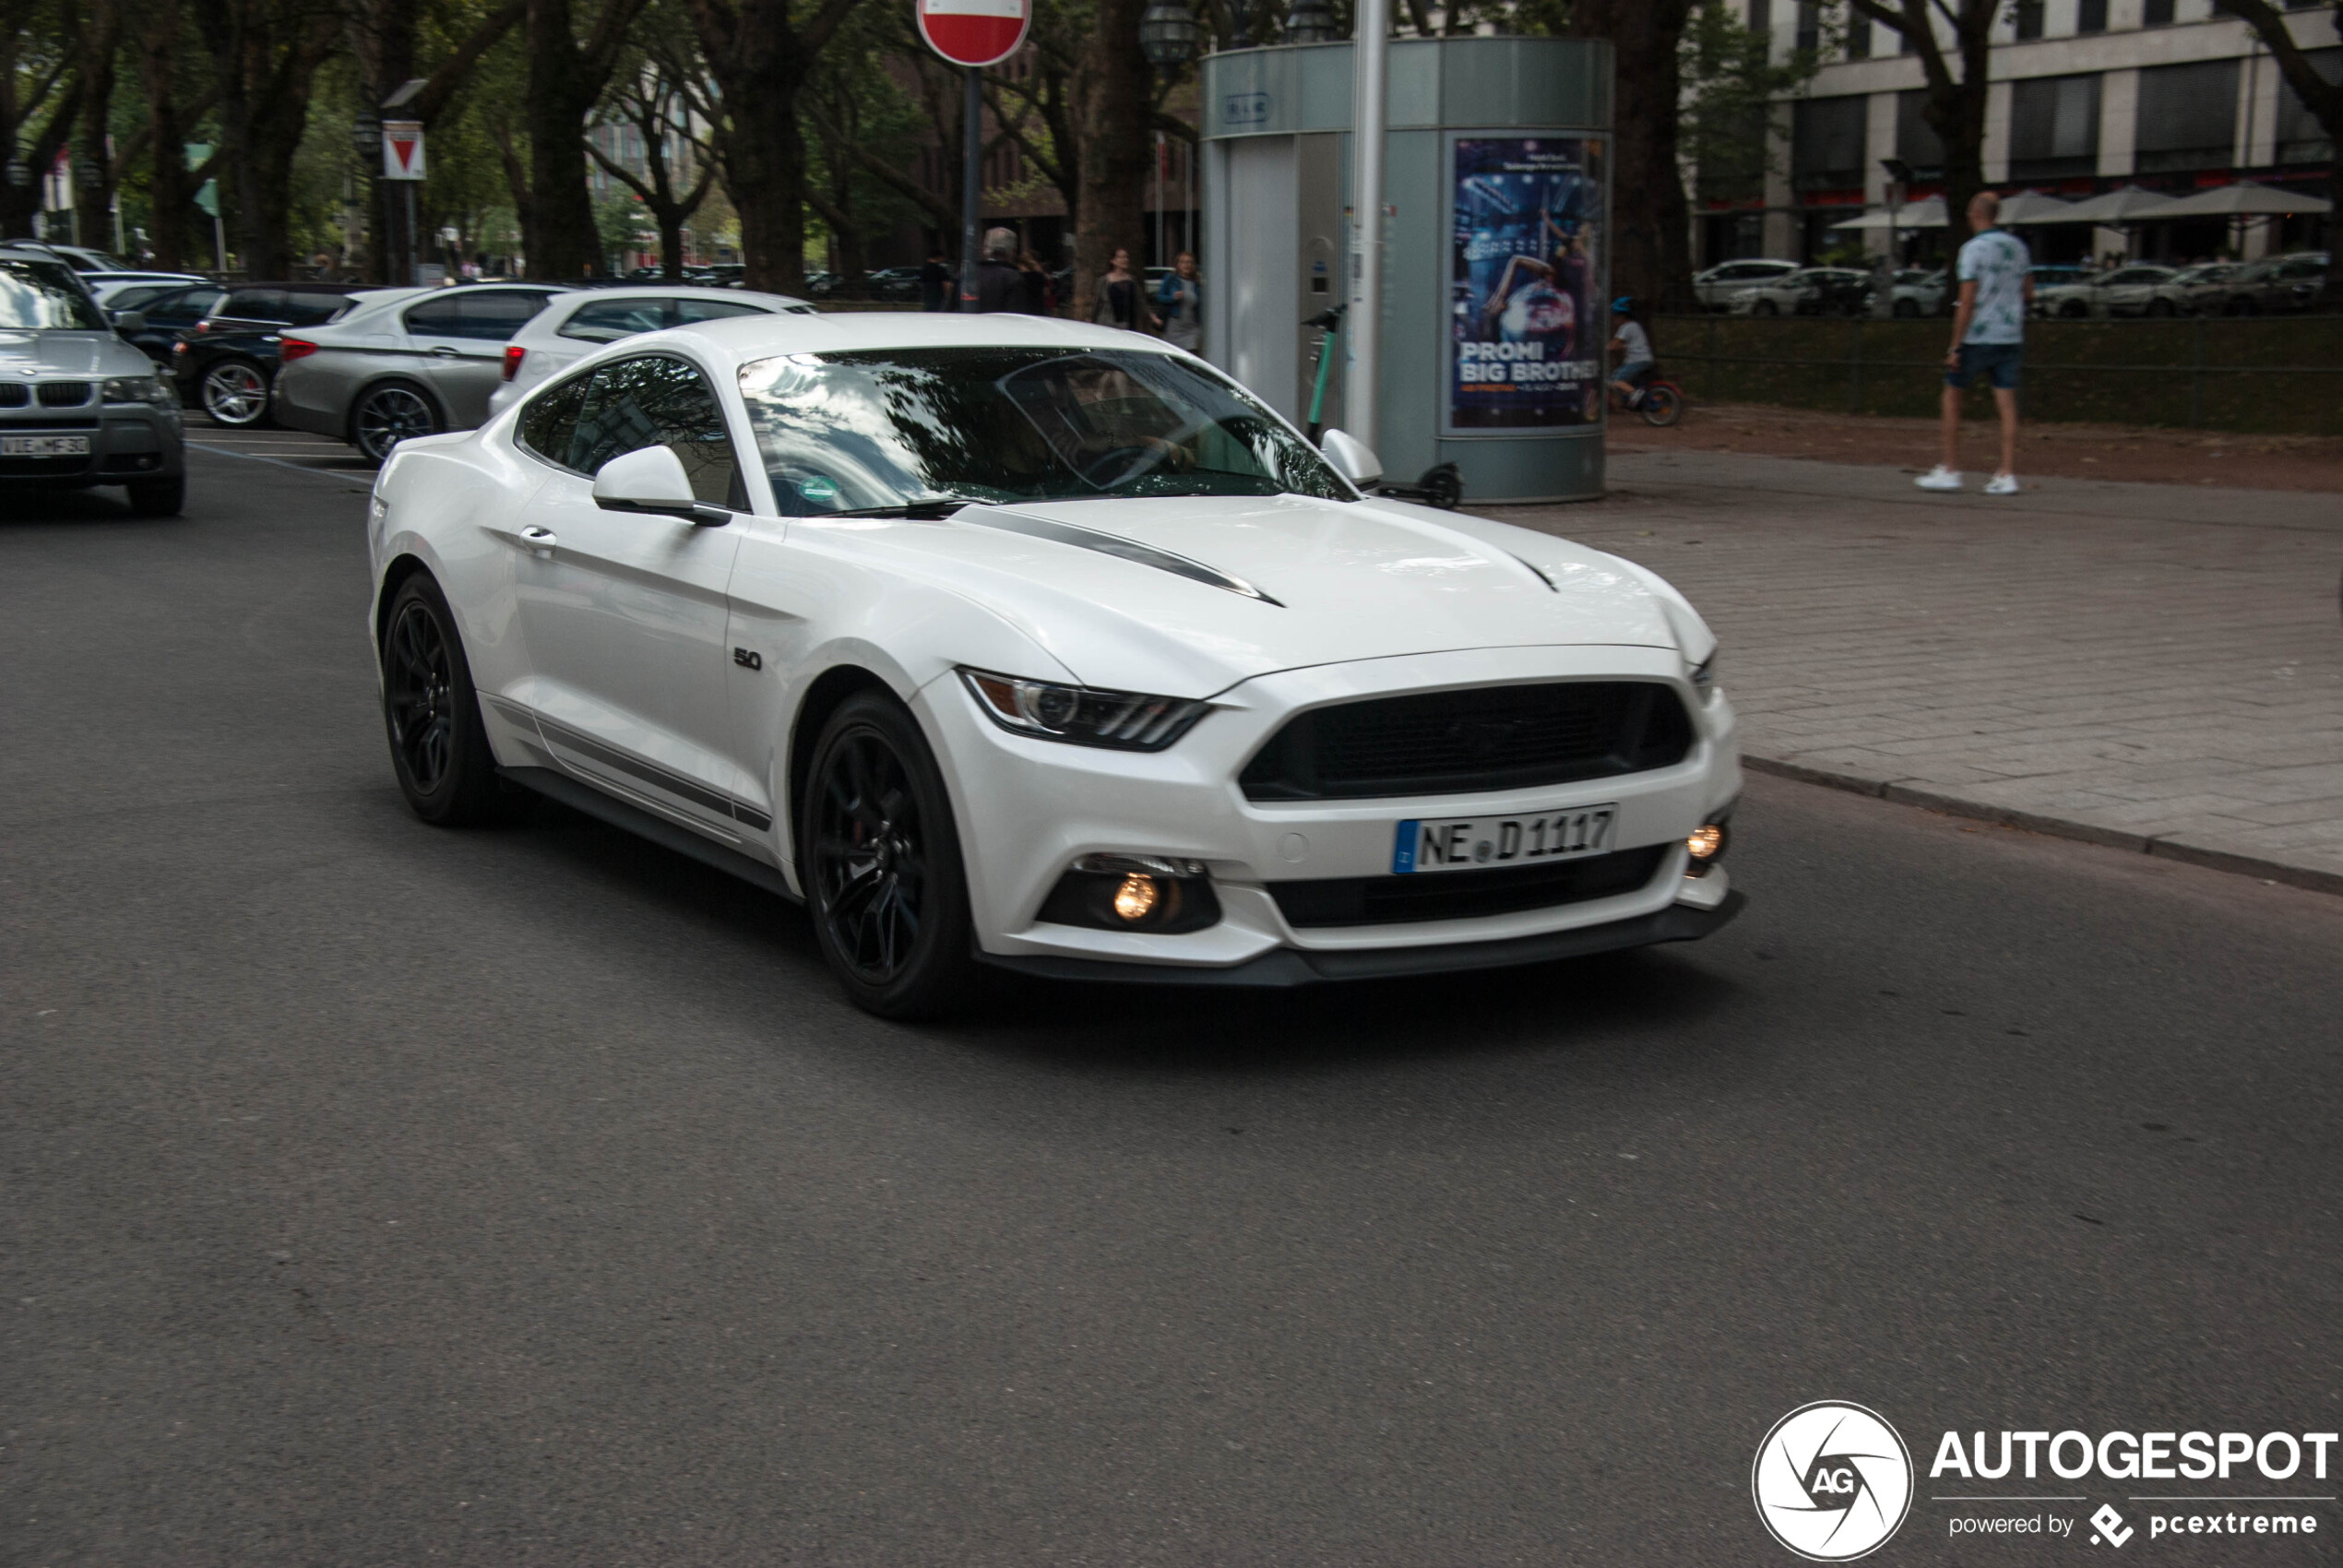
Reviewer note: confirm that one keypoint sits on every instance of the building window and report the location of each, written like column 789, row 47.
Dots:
column 2157, row 13
column 2300, row 137
column 2029, row 20
column 2187, row 116
column 1810, row 25
column 2090, row 15
column 1761, row 16
column 1859, row 39
column 1917, row 142
column 2054, row 127
column 1826, row 143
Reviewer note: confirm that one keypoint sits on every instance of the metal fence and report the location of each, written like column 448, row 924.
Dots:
column 2274, row 374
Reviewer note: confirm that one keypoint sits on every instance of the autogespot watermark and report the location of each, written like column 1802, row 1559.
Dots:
column 1833, row 1481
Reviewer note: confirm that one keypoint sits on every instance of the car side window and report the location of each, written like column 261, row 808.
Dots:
column 495, row 315
column 252, row 304
column 713, row 310
column 313, row 310
column 434, row 319
column 659, row 401
column 549, row 425
column 606, row 321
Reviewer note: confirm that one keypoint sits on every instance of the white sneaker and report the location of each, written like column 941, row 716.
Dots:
column 2003, row 484
column 1939, row 478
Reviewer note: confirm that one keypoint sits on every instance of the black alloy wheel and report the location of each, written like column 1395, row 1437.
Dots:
column 438, row 745
column 881, row 865
column 387, row 415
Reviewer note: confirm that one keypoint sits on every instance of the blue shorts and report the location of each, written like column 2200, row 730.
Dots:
column 1999, row 361
column 1633, row 372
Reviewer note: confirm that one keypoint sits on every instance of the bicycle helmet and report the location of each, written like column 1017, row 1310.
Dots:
column 1624, row 305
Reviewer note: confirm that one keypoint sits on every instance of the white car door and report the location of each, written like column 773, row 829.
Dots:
column 623, row 614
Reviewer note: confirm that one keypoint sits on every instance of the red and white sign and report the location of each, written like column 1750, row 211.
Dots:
column 402, row 150
column 973, row 32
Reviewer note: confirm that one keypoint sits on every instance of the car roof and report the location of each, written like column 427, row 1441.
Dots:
column 743, row 339
column 687, row 291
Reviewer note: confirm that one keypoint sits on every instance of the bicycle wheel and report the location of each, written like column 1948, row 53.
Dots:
column 1662, row 404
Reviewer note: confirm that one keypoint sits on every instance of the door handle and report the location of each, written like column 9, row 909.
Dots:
column 540, row 540
column 446, row 354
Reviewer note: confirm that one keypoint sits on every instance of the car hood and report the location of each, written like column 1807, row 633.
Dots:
column 70, row 353
column 1190, row 595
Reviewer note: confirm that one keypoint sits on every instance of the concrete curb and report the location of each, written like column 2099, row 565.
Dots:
column 2166, row 847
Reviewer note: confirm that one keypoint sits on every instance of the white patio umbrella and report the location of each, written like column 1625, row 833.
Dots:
column 2032, row 207
column 2114, row 208
column 2243, row 199
column 1926, row 213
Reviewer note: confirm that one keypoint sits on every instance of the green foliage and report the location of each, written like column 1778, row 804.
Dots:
column 1731, row 89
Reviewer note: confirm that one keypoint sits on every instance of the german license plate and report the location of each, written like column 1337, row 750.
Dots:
column 1477, row 843
column 44, row 446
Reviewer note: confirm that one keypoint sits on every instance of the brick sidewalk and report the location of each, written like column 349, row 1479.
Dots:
column 2158, row 667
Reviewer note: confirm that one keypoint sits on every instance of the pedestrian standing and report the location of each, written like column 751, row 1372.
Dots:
column 1989, row 338
column 1037, row 284
column 999, row 285
column 1179, row 298
column 935, row 281
column 1119, row 301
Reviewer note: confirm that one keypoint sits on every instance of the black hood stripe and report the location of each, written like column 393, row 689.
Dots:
column 1113, row 544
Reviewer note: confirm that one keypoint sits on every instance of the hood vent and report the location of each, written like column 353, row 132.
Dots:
column 1112, row 544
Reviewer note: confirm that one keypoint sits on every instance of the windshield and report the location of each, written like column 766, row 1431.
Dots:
column 872, row 430
column 41, row 295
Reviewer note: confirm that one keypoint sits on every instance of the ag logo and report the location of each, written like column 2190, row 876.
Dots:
column 1832, row 1481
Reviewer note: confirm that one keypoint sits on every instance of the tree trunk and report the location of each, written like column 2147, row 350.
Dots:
column 93, row 199
column 1650, row 220
column 558, row 231
column 169, row 189
column 764, row 171
column 1112, row 99
column 382, row 37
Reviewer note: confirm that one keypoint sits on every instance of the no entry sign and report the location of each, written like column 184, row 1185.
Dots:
column 973, row 32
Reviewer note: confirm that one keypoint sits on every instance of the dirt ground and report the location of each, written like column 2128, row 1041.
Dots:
column 2066, row 451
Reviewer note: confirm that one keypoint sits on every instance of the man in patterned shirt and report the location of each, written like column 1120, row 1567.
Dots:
column 1989, row 338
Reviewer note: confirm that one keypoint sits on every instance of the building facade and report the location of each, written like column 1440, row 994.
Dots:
column 2085, row 96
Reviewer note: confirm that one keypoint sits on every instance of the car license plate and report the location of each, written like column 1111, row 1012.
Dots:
column 1476, row 843
column 44, row 446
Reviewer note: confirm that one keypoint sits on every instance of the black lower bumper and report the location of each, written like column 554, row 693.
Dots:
column 1291, row 967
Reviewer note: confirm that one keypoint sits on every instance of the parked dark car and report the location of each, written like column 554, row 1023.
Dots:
column 2277, row 284
column 168, row 312
column 894, row 283
column 226, row 362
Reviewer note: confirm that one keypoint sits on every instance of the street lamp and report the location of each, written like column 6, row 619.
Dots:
column 1167, row 35
column 1311, row 21
column 367, row 139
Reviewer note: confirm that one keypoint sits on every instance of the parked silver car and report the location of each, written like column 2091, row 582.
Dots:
column 1810, row 291
column 1722, row 285
column 2277, row 284
column 412, row 365
column 572, row 327
column 79, row 406
column 2123, row 291
column 2197, row 290
column 1917, row 291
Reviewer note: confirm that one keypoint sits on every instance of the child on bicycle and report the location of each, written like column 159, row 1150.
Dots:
column 1633, row 345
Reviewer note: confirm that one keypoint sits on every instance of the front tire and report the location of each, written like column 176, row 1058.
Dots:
column 1662, row 405
column 438, row 745
column 234, row 394
column 389, row 414
column 1765, row 307
column 880, row 863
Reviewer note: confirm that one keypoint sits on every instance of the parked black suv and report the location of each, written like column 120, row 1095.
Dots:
column 227, row 361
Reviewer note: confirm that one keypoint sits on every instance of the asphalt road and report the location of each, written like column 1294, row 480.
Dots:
column 381, row 1194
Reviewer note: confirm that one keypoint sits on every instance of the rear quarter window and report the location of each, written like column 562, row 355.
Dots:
column 252, row 304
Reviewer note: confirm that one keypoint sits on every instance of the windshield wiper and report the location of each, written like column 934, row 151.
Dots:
column 923, row 511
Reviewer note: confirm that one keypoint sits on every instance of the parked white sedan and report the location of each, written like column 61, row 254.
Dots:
column 1017, row 641
column 574, row 325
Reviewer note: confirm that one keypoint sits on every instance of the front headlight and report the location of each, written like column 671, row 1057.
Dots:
column 1704, row 675
column 140, row 389
column 1128, row 721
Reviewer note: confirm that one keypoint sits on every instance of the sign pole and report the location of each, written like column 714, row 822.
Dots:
column 971, row 186
column 1371, row 35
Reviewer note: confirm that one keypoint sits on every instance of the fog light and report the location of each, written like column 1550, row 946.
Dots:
column 1703, row 845
column 1137, row 898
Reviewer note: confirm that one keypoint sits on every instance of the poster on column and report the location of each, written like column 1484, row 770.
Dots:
column 1526, row 319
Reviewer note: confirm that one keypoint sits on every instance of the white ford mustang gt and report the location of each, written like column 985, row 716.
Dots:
column 1021, row 642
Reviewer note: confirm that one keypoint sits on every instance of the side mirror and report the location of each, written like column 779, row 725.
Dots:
column 130, row 321
column 1351, row 457
column 651, row 479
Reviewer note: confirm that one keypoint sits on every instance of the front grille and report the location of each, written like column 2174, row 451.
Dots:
column 1461, row 742
column 14, row 395
column 64, row 394
column 1464, row 894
